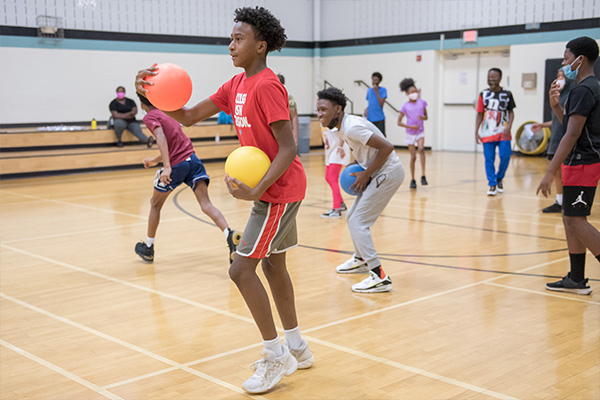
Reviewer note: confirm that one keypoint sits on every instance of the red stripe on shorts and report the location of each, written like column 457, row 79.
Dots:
column 586, row 175
column 276, row 211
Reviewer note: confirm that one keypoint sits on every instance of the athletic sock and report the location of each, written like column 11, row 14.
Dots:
column 293, row 337
column 379, row 271
column 577, row 266
column 149, row 241
column 559, row 198
column 274, row 345
column 226, row 232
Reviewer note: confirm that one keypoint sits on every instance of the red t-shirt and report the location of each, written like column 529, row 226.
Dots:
column 255, row 103
column 180, row 146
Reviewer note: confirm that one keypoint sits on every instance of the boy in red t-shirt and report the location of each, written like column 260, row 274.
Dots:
column 259, row 105
column 180, row 165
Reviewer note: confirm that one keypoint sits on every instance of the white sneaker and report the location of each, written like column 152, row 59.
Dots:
column 492, row 190
column 303, row 355
column 352, row 266
column 333, row 213
column 269, row 370
column 373, row 284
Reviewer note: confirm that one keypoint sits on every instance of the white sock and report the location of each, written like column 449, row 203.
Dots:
column 559, row 199
column 293, row 337
column 149, row 241
column 226, row 232
column 274, row 346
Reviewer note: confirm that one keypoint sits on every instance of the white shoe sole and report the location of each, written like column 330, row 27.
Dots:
column 378, row 289
column 357, row 270
column 275, row 381
column 575, row 291
column 306, row 363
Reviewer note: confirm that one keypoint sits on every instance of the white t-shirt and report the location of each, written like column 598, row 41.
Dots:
column 335, row 141
column 357, row 131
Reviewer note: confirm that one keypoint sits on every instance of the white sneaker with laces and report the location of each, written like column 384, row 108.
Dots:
column 269, row 370
column 352, row 266
column 303, row 355
column 373, row 284
column 333, row 213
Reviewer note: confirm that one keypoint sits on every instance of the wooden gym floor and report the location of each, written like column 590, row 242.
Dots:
column 82, row 317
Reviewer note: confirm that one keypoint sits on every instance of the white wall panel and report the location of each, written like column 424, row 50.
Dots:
column 70, row 86
column 175, row 17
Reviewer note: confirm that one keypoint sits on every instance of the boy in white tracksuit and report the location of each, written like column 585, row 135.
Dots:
column 376, row 185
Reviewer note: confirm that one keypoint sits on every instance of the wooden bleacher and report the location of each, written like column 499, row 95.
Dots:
column 31, row 153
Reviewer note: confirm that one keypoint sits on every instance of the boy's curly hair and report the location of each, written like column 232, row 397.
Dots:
column 406, row 84
column 266, row 27
column 334, row 95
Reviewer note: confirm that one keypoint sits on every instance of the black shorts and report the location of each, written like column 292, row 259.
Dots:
column 579, row 188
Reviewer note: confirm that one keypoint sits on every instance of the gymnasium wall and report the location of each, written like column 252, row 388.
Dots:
column 72, row 84
column 74, row 79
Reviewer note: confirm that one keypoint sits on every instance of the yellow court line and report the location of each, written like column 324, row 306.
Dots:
column 61, row 371
column 128, row 345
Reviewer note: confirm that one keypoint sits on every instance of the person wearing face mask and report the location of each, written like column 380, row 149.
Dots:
column 495, row 118
column 376, row 185
column 123, row 111
column 556, row 135
column 578, row 155
column 415, row 110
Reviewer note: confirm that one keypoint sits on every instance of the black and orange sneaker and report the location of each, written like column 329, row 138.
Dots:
column 233, row 239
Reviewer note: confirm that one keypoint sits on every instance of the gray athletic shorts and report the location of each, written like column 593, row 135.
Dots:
column 271, row 229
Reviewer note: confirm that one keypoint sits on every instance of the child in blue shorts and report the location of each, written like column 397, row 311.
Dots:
column 180, row 165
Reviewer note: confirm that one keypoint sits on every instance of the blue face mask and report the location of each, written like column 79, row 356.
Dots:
column 567, row 70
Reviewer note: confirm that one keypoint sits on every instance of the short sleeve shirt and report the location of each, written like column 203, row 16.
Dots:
column 357, row 131
column 180, row 146
column 255, row 103
column 123, row 108
column 413, row 111
column 584, row 100
column 374, row 110
column 495, row 107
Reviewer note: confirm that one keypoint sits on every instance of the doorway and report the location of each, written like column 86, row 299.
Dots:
column 464, row 75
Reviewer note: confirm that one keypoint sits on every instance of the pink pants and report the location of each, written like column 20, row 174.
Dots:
column 332, row 176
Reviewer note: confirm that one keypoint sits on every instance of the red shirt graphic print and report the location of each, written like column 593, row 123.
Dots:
column 255, row 103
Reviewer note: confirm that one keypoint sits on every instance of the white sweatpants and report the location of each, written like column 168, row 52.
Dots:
column 367, row 207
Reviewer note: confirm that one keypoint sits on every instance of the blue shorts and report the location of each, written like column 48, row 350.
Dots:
column 189, row 171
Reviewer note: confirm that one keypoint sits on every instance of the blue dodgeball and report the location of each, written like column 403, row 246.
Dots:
column 346, row 180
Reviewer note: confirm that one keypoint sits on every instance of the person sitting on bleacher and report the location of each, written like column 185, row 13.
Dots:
column 123, row 111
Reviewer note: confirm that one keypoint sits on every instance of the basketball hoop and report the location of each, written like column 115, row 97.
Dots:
column 50, row 27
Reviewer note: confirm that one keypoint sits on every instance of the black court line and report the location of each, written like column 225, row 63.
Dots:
column 463, row 226
column 176, row 201
column 440, row 265
column 387, row 257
